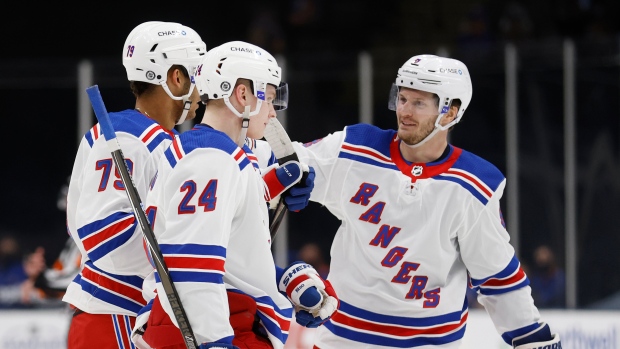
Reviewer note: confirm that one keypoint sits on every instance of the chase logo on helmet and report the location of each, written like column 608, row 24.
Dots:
column 450, row 70
column 172, row 33
column 241, row 49
column 410, row 72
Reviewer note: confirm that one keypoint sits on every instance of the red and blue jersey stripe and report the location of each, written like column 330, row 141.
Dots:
column 360, row 325
column 105, row 235
column 122, row 291
column 511, row 278
column 194, row 262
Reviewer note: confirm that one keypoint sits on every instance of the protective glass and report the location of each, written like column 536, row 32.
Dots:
column 281, row 100
column 393, row 97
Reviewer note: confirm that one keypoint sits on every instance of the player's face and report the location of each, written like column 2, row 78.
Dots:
column 259, row 121
column 416, row 112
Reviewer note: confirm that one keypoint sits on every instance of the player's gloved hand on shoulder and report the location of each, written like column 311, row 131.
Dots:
column 280, row 178
column 293, row 180
column 298, row 197
column 217, row 346
column 314, row 298
column 540, row 337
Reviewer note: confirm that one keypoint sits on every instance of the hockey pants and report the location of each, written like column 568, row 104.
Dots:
column 161, row 333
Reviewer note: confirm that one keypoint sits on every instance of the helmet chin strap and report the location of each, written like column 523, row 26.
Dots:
column 185, row 98
column 236, row 112
column 245, row 122
column 437, row 128
column 245, row 118
column 424, row 140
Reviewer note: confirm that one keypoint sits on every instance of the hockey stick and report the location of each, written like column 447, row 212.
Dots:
column 136, row 204
column 282, row 148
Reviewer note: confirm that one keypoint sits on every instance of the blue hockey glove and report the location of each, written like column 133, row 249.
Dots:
column 298, row 197
column 314, row 298
column 280, row 178
column 541, row 337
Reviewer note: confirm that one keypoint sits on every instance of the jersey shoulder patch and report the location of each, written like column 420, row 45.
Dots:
column 475, row 174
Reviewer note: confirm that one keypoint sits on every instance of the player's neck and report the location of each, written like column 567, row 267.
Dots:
column 159, row 109
column 222, row 119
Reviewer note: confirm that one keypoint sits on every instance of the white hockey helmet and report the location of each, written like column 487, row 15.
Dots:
column 225, row 64
column 153, row 47
column 446, row 77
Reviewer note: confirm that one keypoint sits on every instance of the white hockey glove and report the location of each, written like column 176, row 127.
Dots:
column 314, row 298
column 541, row 337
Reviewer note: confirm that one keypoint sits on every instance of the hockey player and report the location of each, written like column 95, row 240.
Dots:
column 208, row 209
column 160, row 59
column 420, row 220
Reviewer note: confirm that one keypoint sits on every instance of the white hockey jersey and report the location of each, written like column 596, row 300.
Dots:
column 411, row 237
column 100, row 218
column 210, row 218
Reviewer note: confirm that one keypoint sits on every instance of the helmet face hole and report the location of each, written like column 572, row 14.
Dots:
column 154, row 47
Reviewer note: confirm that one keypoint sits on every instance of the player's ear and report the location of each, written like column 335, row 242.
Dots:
column 240, row 93
column 175, row 79
column 451, row 115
